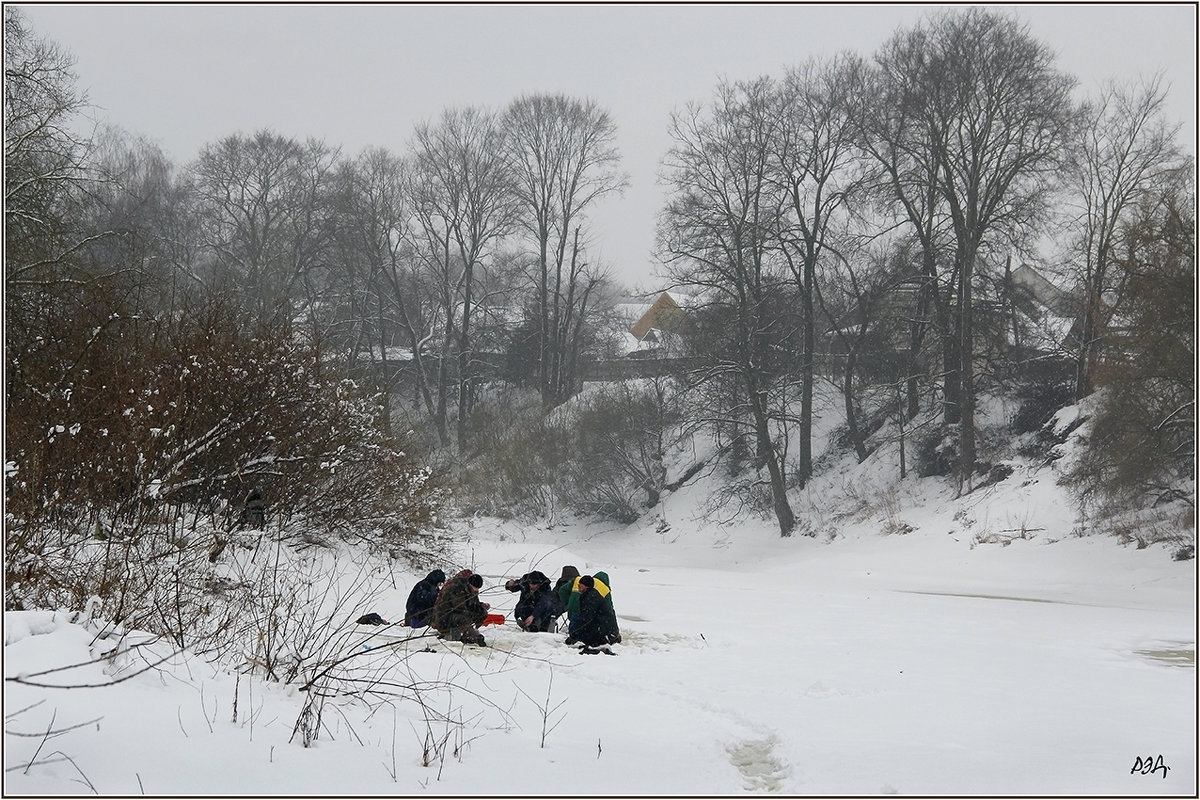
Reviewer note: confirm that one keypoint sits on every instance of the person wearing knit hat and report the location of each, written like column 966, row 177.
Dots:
column 602, row 577
column 596, row 624
column 458, row 612
column 601, row 585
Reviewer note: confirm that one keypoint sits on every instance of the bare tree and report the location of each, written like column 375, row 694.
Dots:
column 720, row 232
column 998, row 113
column 563, row 156
column 263, row 203
column 367, row 221
column 901, row 139
column 464, row 205
column 1123, row 147
column 817, row 156
column 45, row 158
column 138, row 221
column 857, row 298
column 1142, row 446
column 383, row 301
column 619, row 438
column 60, row 317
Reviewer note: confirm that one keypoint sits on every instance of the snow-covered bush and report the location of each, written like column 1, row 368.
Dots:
column 150, row 443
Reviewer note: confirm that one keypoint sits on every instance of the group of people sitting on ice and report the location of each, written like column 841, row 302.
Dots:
column 585, row 599
column 453, row 608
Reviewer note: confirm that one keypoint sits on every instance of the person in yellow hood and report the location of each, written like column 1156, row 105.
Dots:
column 596, row 624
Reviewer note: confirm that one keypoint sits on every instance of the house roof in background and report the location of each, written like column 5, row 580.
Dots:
column 661, row 314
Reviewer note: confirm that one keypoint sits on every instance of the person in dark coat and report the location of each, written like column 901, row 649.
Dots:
column 254, row 510
column 564, row 587
column 458, row 612
column 595, row 625
column 600, row 586
column 604, row 586
column 419, row 610
column 546, row 610
column 525, row 585
column 538, row 606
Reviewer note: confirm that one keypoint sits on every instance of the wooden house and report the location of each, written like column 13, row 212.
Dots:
column 664, row 314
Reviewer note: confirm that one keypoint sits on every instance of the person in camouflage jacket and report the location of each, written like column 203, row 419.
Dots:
column 458, row 612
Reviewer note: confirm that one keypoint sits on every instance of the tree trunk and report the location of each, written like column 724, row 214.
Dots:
column 443, row 380
column 856, row 437
column 464, row 360
column 762, row 433
column 951, row 379
column 384, row 386
column 805, row 467
column 916, row 339
column 967, row 396
column 544, row 319
column 1083, row 361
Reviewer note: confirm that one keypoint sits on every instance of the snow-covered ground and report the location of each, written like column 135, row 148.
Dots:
column 917, row 644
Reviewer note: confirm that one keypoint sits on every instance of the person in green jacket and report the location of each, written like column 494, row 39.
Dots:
column 596, row 626
column 601, row 587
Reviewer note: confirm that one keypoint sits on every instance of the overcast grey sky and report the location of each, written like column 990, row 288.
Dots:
column 359, row 75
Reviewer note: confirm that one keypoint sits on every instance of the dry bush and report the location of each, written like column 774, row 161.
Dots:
column 1141, row 441
column 518, row 454
column 600, row 454
column 200, row 413
column 617, row 439
column 132, row 446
